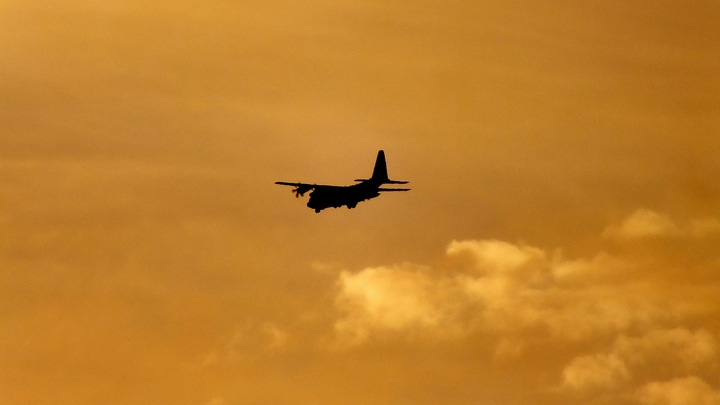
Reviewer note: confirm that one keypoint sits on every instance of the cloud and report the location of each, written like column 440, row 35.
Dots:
column 594, row 372
column 645, row 223
column 677, row 349
column 504, row 289
column 672, row 346
column 700, row 228
column 266, row 337
column 681, row 391
column 276, row 338
column 392, row 298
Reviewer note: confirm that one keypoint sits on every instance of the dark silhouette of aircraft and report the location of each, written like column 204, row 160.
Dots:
column 324, row 196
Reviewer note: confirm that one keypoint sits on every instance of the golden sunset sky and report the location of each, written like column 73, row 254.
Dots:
column 560, row 245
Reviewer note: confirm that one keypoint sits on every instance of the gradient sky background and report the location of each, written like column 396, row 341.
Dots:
column 561, row 244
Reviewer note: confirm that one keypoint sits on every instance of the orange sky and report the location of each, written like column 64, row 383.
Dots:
column 560, row 244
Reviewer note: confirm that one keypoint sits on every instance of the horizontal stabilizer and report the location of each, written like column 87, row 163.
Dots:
column 393, row 189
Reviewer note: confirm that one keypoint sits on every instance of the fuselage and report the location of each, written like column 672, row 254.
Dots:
column 337, row 196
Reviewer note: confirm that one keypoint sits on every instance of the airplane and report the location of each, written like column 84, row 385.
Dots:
column 324, row 196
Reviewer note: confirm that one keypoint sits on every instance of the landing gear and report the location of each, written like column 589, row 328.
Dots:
column 317, row 210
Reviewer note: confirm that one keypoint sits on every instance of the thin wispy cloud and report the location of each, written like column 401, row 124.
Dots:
column 645, row 223
column 689, row 390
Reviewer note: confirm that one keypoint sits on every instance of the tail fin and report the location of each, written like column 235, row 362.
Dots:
column 380, row 171
column 380, row 174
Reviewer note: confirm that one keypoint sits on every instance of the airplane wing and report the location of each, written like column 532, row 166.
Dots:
column 302, row 188
column 284, row 183
column 306, row 185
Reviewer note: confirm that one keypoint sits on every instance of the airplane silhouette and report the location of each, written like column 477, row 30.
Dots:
column 324, row 196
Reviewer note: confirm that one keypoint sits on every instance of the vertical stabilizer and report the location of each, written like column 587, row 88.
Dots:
column 380, row 171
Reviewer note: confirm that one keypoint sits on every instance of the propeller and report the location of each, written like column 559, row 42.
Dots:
column 301, row 190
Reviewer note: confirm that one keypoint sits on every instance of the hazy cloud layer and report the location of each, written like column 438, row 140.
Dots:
column 146, row 257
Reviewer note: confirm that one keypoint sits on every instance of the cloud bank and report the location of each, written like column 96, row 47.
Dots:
column 523, row 296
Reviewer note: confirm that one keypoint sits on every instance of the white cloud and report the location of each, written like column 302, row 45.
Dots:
column 496, row 257
column 391, row 298
column 681, row 391
column 504, row 289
